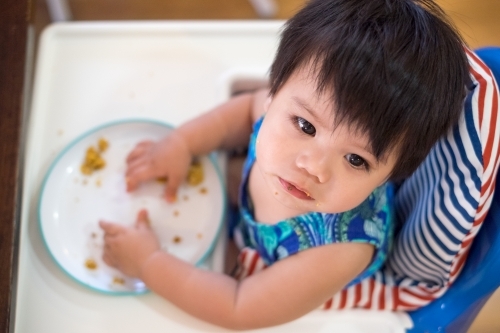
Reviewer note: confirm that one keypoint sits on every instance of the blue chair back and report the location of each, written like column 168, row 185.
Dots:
column 480, row 277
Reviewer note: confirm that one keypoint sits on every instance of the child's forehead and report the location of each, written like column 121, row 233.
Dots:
column 307, row 91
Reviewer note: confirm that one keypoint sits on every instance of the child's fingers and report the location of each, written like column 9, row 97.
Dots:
column 137, row 175
column 138, row 150
column 171, row 189
column 142, row 219
column 110, row 228
column 108, row 259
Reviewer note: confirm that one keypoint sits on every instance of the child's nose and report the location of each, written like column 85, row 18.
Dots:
column 316, row 164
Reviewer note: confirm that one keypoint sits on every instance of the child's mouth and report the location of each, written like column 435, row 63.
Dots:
column 293, row 190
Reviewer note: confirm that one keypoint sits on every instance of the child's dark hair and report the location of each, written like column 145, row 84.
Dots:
column 395, row 69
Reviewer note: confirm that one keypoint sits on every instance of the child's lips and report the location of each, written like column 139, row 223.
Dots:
column 294, row 190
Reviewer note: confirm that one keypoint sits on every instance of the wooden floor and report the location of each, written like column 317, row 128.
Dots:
column 477, row 20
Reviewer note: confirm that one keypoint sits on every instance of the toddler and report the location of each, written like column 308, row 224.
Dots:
column 359, row 93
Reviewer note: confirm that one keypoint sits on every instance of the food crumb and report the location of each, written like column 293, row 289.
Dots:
column 93, row 160
column 60, row 132
column 177, row 239
column 185, row 198
column 176, row 213
column 118, row 280
column 84, row 182
column 98, row 183
column 93, row 235
column 195, row 174
column 199, row 235
column 102, row 144
column 203, row 190
column 90, row 264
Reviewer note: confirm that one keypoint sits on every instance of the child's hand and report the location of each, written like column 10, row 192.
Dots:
column 169, row 158
column 127, row 248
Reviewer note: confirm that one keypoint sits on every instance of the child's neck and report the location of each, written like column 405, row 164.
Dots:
column 266, row 208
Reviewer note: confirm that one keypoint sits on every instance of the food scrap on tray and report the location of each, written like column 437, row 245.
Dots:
column 93, row 158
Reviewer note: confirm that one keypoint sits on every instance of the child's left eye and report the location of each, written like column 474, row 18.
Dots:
column 357, row 161
column 306, row 126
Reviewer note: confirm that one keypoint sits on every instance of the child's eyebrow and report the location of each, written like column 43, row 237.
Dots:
column 304, row 105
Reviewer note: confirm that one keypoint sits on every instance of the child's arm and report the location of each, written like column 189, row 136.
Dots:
column 284, row 291
column 228, row 125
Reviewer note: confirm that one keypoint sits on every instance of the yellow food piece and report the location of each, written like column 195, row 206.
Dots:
column 90, row 264
column 177, row 239
column 93, row 160
column 103, row 144
column 195, row 174
column 118, row 280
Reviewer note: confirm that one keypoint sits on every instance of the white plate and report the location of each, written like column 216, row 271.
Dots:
column 71, row 204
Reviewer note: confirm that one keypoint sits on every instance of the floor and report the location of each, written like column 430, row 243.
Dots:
column 477, row 20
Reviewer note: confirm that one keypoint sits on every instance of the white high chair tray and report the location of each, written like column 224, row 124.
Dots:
column 88, row 74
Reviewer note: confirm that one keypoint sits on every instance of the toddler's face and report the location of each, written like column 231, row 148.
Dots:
column 306, row 164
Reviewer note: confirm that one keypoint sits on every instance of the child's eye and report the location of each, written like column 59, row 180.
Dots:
column 306, row 126
column 357, row 161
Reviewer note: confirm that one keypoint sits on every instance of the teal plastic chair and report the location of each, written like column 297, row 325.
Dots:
column 480, row 277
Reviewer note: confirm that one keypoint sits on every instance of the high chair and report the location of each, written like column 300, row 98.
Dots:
column 147, row 69
column 480, row 277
